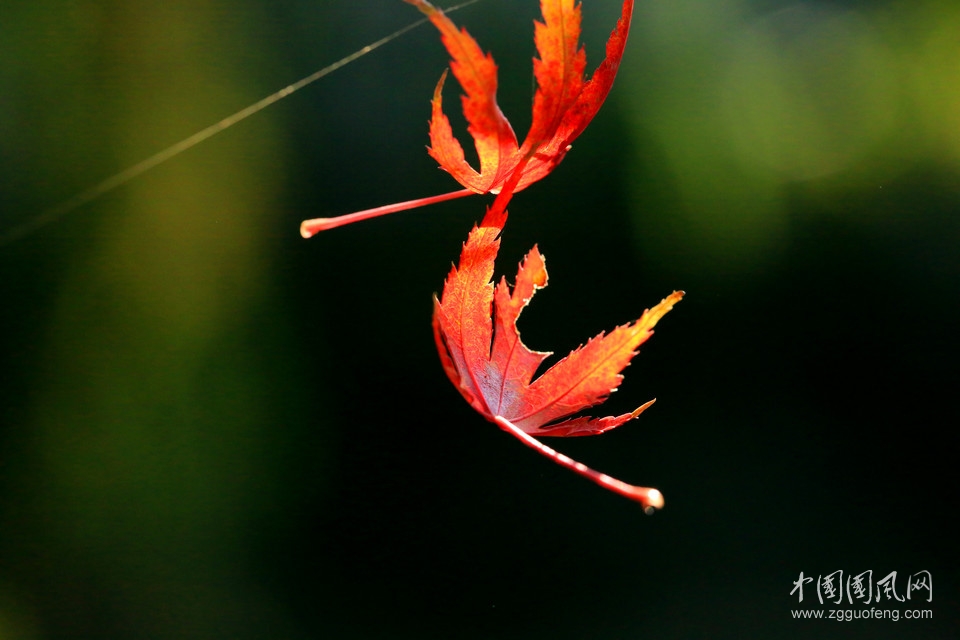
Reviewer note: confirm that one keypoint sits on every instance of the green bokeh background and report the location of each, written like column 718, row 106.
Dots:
column 211, row 428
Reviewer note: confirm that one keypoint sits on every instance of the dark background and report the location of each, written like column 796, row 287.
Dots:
column 210, row 427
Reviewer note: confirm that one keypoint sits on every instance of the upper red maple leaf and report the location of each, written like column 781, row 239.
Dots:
column 475, row 325
column 563, row 106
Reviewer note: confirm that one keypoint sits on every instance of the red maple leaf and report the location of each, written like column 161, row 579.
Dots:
column 563, row 106
column 475, row 326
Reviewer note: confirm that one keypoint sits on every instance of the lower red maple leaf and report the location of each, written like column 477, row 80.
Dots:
column 475, row 326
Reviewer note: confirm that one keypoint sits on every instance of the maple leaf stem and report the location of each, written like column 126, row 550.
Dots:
column 650, row 499
column 309, row 228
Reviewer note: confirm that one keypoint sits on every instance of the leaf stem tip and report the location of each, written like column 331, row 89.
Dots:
column 310, row 228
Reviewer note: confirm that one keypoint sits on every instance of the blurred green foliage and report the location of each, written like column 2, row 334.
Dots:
column 746, row 109
column 146, row 432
